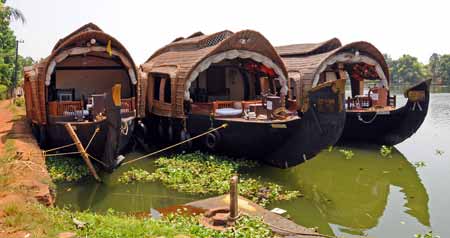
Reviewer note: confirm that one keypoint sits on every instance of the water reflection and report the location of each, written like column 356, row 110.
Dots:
column 352, row 193
column 110, row 193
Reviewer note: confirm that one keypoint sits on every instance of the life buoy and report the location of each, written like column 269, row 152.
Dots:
column 185, row 135
column 212, row 140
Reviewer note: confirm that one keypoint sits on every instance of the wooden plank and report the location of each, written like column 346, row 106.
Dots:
column 82, row 151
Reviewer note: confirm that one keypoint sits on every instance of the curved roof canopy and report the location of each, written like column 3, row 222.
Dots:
column 307, row 61
column 87, row 39
column 185, row 58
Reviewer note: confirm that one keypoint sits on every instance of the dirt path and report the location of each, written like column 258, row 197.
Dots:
column 23, row 178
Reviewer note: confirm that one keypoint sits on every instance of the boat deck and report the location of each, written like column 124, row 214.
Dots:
column 373, row 109
column 278, row 224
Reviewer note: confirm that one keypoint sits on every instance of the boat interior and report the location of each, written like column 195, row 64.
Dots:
column 368, row 90
column 240, row 89
column 78, row 86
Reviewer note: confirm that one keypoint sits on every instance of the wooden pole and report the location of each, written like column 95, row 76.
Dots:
column 82, row 151
column 234, row 192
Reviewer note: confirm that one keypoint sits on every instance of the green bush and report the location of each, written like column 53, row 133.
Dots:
column 3, row 91
column 19, row 102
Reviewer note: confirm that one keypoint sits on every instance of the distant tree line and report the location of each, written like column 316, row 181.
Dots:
column 8, row 49
column 409, row 70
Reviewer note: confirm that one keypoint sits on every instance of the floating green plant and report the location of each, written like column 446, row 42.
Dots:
column 66, row 169
column 330, row 148
column 347, row 153
column 135, row 175
column 207, row 174
column 426, row 235
column 386, row 151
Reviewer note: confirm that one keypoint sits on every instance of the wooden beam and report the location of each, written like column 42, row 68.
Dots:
column 82, row 151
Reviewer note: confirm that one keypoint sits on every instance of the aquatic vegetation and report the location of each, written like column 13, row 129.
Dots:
column 207, row 174
column 67, row 169
column 347, row 153
column 386, row 151
column 49, row 222
column 439, row 152
column 330, row 148
column 420, row 164
column 135, row 175
column 426, row 235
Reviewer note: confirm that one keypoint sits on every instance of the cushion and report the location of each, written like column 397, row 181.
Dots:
column 228, row 112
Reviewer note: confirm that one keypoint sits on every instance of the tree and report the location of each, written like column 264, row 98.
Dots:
column 406, row 69
column 434, row 66
column 11, row 13
column 444, row 69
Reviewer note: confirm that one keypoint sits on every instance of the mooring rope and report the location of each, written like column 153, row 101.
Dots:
column 177, row 144
column 92, row 138
column 369, row 121
column 58, row 148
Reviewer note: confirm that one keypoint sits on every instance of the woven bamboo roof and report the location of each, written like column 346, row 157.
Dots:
column 180, row 59
column 308, row 48
column 185, row 54
column 309, row 61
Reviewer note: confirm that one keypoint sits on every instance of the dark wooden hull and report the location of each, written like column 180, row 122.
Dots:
column 279, row 143
column 56, row 136
column 388, row 128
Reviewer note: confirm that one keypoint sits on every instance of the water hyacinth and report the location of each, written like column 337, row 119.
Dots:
column 65, row 169
column 207, row 174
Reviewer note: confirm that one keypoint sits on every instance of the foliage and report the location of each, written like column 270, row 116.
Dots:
column 347, row 153
column 407, row 69
column 8, row 47
column 135, row 175
column 19, row 101
column 49, row 222
column 426, row 235
column 207, row 174
column 420, row 164
column 386, row 151
column 66, row 169
column 3, row 91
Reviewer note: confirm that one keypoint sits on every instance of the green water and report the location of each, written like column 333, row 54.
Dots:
column 368, row 195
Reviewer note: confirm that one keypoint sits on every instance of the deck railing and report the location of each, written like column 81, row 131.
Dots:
column 59, row 108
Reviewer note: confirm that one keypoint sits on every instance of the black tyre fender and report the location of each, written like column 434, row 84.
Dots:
column 212, row 140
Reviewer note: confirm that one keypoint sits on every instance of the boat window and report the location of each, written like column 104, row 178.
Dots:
column 156, row 86
column 167, row 91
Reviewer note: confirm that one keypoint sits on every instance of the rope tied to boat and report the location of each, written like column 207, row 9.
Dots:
column 369, row 121
column 177, row 144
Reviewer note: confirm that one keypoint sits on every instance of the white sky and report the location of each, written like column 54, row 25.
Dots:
column 415, row 27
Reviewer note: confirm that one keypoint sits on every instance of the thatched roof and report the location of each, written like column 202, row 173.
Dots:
column 304, row 61
column 308, row 48
column 182, row 58
column 74, row 44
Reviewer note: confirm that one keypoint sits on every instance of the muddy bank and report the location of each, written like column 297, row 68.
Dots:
column 23, row 174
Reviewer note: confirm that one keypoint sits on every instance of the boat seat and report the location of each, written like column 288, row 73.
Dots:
column 228, row 112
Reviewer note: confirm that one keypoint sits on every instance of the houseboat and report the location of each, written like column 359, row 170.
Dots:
column 372, row 113
column 238, row 79
column 74, row 85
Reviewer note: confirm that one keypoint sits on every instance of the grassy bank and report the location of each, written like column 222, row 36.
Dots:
column 49, row 222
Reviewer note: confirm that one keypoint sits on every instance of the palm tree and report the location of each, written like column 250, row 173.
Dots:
column 12, row 13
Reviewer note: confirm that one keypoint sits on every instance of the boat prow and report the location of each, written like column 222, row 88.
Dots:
column 390, row 127
column 320, row 127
